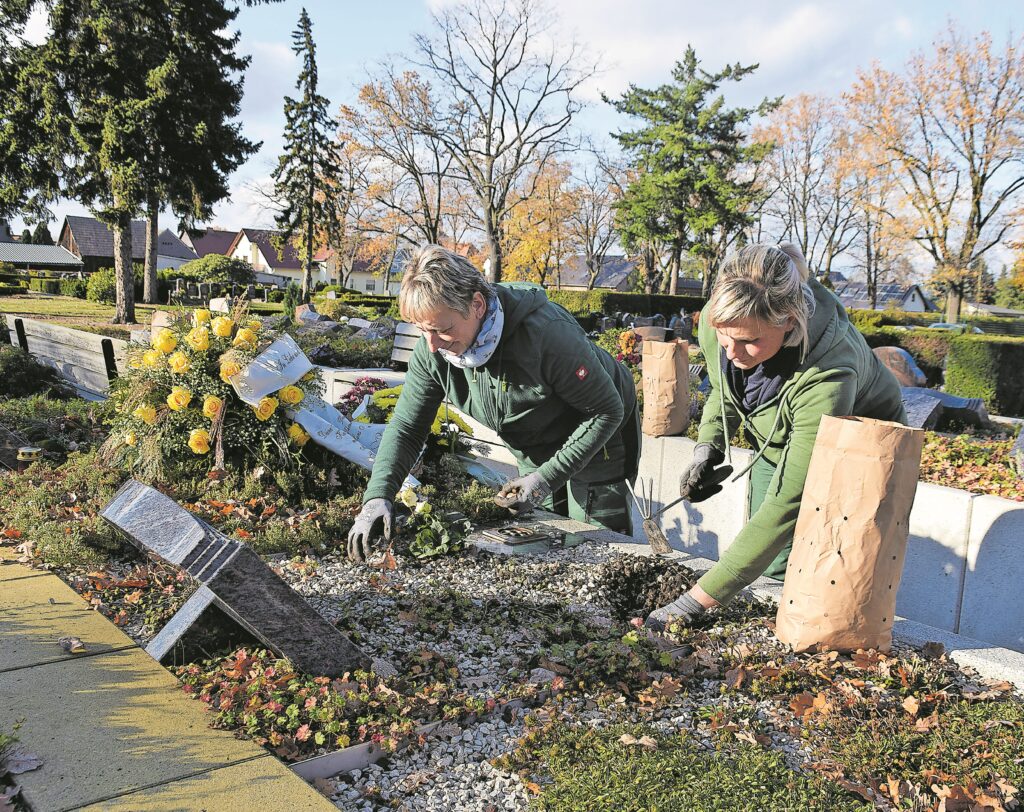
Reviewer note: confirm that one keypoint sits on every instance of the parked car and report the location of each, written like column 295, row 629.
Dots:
column 957, row 326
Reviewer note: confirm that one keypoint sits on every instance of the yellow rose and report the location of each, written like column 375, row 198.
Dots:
column 178, row 363
column 179, row 398
column 200, row 317
column 291, row 395
column 198, row 339
column 135, row 362
column 199, row 441
column 212, row 406
column 309, row 376
column 255, row 324
column 245, row 338
column 145, row 413
column 265, row 408
column 164, row 340
column 152, row 358
column 228, row 370
column 297, row 435
column 131, row 438
column 222, row 326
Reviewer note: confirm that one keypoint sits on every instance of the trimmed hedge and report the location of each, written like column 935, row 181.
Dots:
column 988, row 368
column 586, row 304
column 44, row 285
column 995, row 325
column 12, row 290
column 74, row 287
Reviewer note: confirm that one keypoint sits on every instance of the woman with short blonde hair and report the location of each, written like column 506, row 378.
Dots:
column 780, row 354
column 523, row 367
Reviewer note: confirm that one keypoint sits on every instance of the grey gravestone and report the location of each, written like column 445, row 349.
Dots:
column 250, row 291
column 266, row 294
column 657, row 320
column 923, row 411
column 970, row 411
column 234, row 578
column 607, row 323
column 1017, row 454
column 902, row 364
column 192, row 291
column 179, row 286
column 204, row 291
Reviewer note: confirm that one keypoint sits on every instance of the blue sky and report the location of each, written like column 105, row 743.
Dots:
column 813, row 47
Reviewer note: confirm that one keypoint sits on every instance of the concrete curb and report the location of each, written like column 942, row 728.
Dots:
column 112, row 727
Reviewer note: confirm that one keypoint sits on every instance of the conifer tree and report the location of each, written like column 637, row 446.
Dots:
column 41, row 235
column 687, row 194
column 305, row 180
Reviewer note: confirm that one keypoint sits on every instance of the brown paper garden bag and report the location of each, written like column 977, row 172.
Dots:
column 851, row 536
column 666, row 383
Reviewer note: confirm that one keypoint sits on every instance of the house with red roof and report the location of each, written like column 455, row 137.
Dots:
column 273, row 266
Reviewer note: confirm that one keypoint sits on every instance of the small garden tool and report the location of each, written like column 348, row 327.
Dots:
column 644, row 504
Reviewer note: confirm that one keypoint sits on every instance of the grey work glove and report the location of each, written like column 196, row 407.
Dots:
column 377, row 515
column 523, row 493
column 704, row 477
column 683, row 610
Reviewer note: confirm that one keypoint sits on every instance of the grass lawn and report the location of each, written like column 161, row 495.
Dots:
column 92, row 315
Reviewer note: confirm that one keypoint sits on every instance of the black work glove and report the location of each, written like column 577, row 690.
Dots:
column 683, row 610
column 705, row 475
column 376, row 516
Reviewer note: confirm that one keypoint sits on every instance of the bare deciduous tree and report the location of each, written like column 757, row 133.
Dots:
column 808, row 180
column 506, row 94
column 952, row 126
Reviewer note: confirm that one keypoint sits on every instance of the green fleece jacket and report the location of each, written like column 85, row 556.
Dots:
column 839, row 376
column 557, row 401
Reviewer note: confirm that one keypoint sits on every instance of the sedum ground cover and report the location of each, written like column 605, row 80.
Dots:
column 543, row 690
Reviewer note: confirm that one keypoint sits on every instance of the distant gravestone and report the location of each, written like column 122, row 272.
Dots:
column 192, row 291
column 307, row 314
column 923, row 411
column 606, row 323
column 161, row 318
column 266, row 294
column 179, row 286
column 970, row 411
column 332, row 294
column 901, row 364
column 1017, row 454
column 234, row 578
column 250, row 291
column 204, row 291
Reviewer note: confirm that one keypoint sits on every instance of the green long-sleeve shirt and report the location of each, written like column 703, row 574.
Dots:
column 557, row 401
column 840, row 375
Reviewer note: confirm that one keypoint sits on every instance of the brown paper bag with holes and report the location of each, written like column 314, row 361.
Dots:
column 666, row 385
column 851, row 536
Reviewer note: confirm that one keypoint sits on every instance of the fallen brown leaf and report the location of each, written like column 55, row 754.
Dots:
column 72, row 645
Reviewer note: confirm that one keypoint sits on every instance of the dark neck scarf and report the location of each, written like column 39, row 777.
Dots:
column 757, row 386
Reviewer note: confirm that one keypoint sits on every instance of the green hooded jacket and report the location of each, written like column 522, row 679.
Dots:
column 557, row 400
column 839, row 375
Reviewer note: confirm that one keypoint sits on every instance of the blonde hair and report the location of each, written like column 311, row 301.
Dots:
column 767, row 283
column 436, row 277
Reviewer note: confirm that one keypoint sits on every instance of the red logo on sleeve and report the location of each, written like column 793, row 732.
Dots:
column 582, row 373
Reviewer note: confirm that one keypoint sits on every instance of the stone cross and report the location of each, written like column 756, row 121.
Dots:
column 234, row 578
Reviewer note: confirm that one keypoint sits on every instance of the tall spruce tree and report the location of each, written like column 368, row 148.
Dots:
column 305, row 180
column 689, row 194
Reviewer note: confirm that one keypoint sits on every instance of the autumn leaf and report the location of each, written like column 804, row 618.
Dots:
column 802, row 704
column 911, row 705
column 10, row 533
column 302, row 733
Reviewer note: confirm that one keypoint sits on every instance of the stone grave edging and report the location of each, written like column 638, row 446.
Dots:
column 964, row 558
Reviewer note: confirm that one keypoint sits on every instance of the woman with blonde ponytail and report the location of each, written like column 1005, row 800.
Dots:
column 786, row 355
